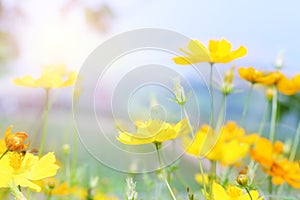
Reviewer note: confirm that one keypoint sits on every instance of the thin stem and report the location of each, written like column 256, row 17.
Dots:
column 49, row 195
column 295, row 144
column 188, row 120
column 45, row 123
column 202, row 175
column 74, row 159
column 247, row 190
column 246, row 104
column 212, row 175
column 5, row 152
column 211, row 89
column 264, row 119
column 157, row 146
column 270, row 186
column 198, row 157
column 273, row 115
column 221, row 115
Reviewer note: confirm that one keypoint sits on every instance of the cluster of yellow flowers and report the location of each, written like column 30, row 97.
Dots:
column 285, row 85
column 229, row 144
column 20, row 167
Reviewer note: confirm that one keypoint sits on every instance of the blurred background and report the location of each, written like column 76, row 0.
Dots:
column 35, row 33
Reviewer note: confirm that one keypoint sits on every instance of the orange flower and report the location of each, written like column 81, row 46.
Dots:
column 285, row 171
column 256, row 76
column 250, row 74
column 264, row 152
column 289, row 86
column 270, row 78
column 273, row 163
column 15, row 142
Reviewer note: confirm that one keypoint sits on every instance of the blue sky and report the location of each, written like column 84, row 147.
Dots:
column 265, row 27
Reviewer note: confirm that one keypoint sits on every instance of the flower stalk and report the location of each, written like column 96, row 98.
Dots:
column 158, row 146
column 44, row 134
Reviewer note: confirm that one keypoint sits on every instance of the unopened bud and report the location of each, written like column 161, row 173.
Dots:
column 228, row 79
column 229, row 75
column 179, row 92
column 66, row 149
column 242, row 179
column 279, row 61
column 269, row 94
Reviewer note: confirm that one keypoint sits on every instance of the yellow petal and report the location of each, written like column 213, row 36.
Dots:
column 24, row 182
column 218, row 192
column 44, row 167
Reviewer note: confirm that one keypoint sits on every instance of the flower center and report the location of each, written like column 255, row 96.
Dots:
column 15, row 160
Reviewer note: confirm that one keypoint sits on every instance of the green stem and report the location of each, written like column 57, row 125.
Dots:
column 248, row 193
column 264, row 119
column 213, row 173
column 270, row 186
column 45, row 123
column 211, row 89
column 295, row 144
column 49, row 195
column 202, row 176
column 157, row 146
column 74, row 159
column 5, row 152
column 188, row 120
column 221, row 115
column 246, row 104
column 273, row 115
column 198, row 157
column 273, row 128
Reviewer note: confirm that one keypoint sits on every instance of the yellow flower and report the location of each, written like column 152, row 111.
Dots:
column 270, row 78
column 289, row 86
column 15, row 142
column 256, row 76
column 51, row 77
column 232, row 193
column 228, row 147
column 52, row 186
column 25, row 168
column 264, row 152
column 153, row 131
column 250, row 74
column 217, row 52
column 79, row 192
column 2, row 146
column 102, row 196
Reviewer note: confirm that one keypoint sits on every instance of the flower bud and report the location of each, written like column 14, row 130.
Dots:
column 66, row 149
column 228, row 79
column 229, row 75
column 269, row 94
column 179, row 92
column 242, row 179
column 279, row 61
